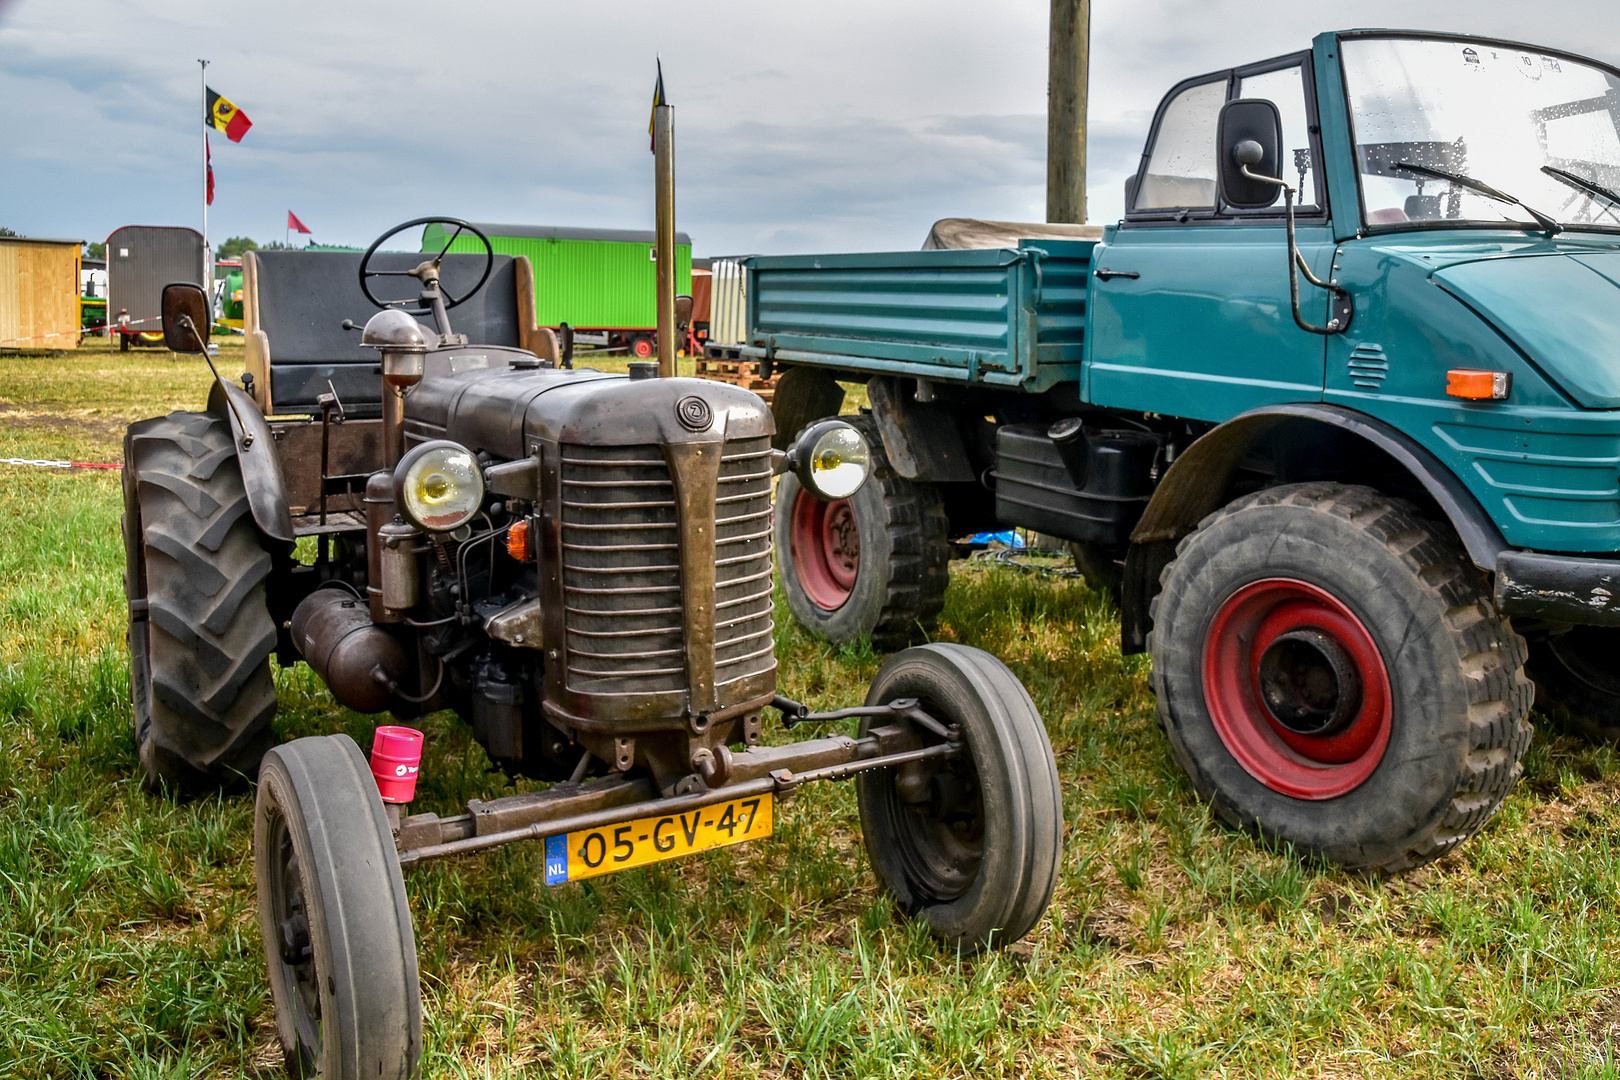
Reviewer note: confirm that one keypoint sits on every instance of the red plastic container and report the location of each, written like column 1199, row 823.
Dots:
column 396, row 757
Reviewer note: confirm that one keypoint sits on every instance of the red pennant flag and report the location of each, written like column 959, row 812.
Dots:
column 297, row 226
column 208, row 156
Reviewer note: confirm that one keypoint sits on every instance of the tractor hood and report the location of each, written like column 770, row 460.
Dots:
column 1562, row 310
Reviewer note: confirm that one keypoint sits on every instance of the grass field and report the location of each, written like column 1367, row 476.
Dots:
column 1174, row 947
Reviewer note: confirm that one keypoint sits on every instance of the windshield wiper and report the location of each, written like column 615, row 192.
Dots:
column 1590, row 187
column 1552, row 227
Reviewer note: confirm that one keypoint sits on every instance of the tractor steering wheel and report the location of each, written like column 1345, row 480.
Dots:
column 427, row 272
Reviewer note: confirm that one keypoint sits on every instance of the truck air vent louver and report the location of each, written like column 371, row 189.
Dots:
column 1368, row 365
column 621, row 570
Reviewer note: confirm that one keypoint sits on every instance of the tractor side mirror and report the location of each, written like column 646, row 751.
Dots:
column 1249, row 139
column 185, row 317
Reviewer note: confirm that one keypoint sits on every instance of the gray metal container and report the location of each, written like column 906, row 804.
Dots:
column 141, row 259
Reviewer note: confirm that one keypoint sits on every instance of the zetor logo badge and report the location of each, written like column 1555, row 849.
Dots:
column 404, row 770
column 693, row 413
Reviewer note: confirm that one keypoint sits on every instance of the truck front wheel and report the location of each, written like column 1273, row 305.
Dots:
column 873, row 565
column 1332, row 674
column 1575, row 677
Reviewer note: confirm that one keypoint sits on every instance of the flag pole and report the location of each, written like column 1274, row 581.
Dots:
column 208, row 253
column 664, row 191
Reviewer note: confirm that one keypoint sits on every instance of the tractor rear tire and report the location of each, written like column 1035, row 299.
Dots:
column 1332, row 674
column 200, row 633
column 972, row 845
column 1574, row 673
column 874, row 565
column 336, row 922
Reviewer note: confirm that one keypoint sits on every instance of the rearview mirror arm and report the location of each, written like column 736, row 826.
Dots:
column 1343, row 306
column 202, row 347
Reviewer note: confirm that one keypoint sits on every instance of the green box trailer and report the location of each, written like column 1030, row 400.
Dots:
column 600, row 282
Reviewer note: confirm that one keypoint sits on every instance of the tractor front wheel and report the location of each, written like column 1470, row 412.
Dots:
column 334, row 916
column 1332, row 674
column 969, row 844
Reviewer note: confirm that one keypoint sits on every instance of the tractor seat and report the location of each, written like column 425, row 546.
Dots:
column 294, row 304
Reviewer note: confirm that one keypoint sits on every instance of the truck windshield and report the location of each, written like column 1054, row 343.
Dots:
column 1497, row 113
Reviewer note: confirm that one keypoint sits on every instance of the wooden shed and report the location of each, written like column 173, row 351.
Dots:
column 39, row 293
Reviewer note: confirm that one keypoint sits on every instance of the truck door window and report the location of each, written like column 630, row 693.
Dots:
column 1286, row 88
column 1181, row 169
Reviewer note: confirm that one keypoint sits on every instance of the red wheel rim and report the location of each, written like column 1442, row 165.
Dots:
column 826, row 549
column 642, row 347
column 1263, row 619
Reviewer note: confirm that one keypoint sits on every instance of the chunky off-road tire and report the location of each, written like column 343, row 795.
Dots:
column 1332, row 674
column 200, row 633
column 873, row 565
column 334, row 916
column 1577, row 677
column 970, row 845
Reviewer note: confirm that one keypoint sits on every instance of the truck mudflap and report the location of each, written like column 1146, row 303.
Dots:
column 1578, row 589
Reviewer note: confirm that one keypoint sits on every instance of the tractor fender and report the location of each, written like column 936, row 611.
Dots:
column 256, row 454
column 1195, row 486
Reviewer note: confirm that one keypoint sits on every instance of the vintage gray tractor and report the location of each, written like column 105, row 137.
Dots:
column 578, row 563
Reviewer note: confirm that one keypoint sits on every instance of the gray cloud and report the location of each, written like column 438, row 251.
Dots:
column 839, row 125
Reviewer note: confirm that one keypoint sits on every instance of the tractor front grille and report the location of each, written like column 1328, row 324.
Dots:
column 621, row 548
column 744, row 635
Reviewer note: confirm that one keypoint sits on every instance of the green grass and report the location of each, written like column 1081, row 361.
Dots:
column 1174, row 947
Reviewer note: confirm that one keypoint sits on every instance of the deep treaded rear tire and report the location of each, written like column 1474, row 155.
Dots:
column 899, row 588
column 200, row 633
column 1457, row 691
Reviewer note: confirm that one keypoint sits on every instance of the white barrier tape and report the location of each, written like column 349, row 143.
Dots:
column 49, row 463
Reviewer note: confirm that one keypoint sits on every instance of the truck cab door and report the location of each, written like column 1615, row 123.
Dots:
column 1190, row 312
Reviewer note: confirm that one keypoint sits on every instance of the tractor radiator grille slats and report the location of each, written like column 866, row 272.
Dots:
column 744, row 635
column 621, row 569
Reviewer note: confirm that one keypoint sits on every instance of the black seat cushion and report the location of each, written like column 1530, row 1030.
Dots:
column 304, row 296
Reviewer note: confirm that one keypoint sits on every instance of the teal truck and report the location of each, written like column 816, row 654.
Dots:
column 1335, row 409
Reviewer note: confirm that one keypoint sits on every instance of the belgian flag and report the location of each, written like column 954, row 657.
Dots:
column 223, row 115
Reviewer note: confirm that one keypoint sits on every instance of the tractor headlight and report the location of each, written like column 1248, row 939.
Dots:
column 831, row 460
column 438, row 486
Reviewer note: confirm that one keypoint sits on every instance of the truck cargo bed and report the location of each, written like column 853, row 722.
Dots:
column 1005, row 317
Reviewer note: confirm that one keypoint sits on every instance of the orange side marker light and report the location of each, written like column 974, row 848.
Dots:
column 1472, row 385
column 517, row 541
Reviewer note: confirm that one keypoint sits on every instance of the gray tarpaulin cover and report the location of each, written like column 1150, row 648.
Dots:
column 961, row 232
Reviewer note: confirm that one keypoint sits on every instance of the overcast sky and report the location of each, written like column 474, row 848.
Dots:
column 824, row 126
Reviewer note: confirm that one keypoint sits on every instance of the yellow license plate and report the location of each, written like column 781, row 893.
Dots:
column 594, row 852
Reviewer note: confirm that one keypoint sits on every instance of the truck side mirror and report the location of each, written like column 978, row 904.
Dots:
column 1249, row 135
column 185, row 317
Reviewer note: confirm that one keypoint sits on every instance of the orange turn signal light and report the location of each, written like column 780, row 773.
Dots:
column 517, row 541
column 1471, row 385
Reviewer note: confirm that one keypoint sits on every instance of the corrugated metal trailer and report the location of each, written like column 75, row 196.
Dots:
column 39, row 293
column 141, row 259
column 595, row 280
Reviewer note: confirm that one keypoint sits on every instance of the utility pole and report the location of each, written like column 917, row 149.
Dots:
column 1067, row 65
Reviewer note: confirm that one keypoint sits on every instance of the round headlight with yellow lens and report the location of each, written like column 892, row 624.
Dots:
column 831, row 460
column 438, row 486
